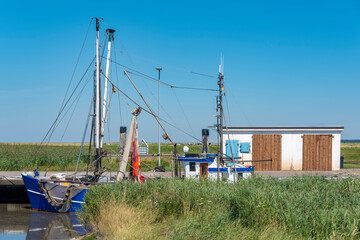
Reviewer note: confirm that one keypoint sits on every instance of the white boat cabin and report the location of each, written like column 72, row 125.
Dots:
column 205, row 167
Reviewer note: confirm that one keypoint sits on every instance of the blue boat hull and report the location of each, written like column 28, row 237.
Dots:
column 39, row 202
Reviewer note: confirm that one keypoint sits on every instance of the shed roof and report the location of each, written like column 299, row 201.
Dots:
column 285, row 129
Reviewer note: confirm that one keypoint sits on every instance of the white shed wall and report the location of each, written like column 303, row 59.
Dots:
column 291, row 151
column 292, row 147
column 336, row 149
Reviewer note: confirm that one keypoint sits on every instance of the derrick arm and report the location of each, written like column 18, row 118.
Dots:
column 130, row 138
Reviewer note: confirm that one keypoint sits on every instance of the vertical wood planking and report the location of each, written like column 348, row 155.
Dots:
column 317, row 152
column 267, row 146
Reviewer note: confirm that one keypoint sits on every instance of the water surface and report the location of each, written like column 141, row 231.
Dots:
column 18, row 221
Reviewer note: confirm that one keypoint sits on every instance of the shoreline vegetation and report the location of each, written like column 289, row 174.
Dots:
column 296, row 208
column 63, row 156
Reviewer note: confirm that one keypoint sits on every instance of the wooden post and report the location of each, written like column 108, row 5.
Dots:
column 176, row 161
column 122, row 143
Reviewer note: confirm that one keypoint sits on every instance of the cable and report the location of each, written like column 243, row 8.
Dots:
column 243, row 113
column 77, row 102
column 169, row 85
column 61, row 110
column 205, row 75
column 143, row 75
column 154, row 115
column 77, row 62
column 58, row 122
column 117, row 82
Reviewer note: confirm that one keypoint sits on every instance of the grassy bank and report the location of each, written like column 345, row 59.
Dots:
column 301, row 208
column 63, row 157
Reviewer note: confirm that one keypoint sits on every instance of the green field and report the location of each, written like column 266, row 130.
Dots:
column 351, row 153
column 296, row 208
column 63, row 157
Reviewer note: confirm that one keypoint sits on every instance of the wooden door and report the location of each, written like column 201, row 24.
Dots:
column 265, row 147
column 203, row 170
column 317, row 152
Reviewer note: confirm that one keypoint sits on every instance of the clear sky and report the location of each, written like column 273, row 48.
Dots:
column 287, row 63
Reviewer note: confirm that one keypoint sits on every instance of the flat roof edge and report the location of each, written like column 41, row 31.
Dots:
column 277, row 128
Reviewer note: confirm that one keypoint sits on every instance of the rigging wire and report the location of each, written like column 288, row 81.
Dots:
column 61, row 110
column 238, row 103
column 169, row 85
column 182, row 109
column 202, row 74
column 118, row 38
column 187, row 120
column 153, row 61
column 78, row 99
column 66, row 112
column 58, row 123
column 227, row 108
column 117, row 82
column 77, row 62
column 152, row 94
column 154, row 115
column 143, row 75
column 172, row 66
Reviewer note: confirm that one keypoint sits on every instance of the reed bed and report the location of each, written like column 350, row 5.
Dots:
column 63, row 156
column 296, row 208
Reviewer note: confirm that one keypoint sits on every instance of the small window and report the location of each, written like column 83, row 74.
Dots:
column 240, row 175
column 245, row 147
column 192, row 167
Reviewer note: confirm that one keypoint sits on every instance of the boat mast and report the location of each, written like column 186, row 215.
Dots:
column 220, row 117
column 111, row 38
column 98, row 103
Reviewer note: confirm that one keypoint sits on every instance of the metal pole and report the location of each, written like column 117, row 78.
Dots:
column 220, row 116
column 98, row 103
column 111, row 38
column 159, row 152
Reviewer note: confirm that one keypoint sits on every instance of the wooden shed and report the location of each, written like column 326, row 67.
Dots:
column 289, row 148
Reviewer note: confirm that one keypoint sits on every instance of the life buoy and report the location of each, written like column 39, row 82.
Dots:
column 54, row 177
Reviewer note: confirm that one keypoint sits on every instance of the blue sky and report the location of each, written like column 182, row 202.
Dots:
column 287, row 63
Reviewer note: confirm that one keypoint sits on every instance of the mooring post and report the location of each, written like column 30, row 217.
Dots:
column 176, row 161
column 205, row 140
column 122, row 143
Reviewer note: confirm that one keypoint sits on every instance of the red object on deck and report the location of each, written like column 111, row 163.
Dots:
column 135, row 164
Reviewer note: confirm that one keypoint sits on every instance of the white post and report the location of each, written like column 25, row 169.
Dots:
column 110, row 32
column 98, row 86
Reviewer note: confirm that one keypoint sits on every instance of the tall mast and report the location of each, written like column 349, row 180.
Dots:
column 220, row 116
column 111, row 38
column 98, row 103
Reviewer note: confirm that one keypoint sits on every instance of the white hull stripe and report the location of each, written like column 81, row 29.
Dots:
column 54, row 197
column 42, row 229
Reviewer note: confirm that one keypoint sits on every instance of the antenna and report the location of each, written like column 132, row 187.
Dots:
column 221, row 66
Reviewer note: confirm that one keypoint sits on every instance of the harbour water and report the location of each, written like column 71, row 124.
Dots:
column 19, row 221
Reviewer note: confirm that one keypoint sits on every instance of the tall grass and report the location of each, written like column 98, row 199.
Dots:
column 308, row 207
column 60, row 157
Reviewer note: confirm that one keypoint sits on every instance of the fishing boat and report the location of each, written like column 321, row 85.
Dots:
column 61, row 193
